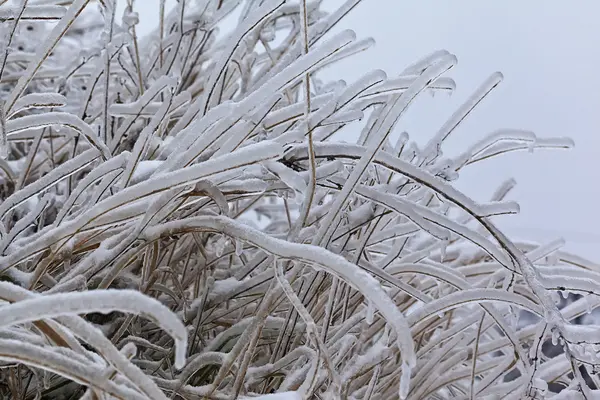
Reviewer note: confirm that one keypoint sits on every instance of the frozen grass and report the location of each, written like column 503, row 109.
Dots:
column 180, row 219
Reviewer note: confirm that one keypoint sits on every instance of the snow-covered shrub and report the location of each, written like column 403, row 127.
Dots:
column 180, row 219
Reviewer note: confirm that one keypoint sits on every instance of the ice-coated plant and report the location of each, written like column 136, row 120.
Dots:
column 180, row 218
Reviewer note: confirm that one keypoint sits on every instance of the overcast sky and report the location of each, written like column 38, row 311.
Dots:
column 549, row 53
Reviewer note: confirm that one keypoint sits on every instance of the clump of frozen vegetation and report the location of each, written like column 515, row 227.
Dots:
column 180, row 219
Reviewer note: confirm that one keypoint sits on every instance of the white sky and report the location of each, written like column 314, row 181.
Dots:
column 549, row 53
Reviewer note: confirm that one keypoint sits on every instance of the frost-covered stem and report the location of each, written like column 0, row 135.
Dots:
column 6, row 42
column 109, row 27
column 136, row 50
column 475, row 351
column 3, row 137
column 267, row 46
column 585, row 390
column 310, row 190
column 248, row 356
column 459, row 116
column 333, row 291
column 553, row 315
column 311, row 327
column 161, row 32
column 33, row 151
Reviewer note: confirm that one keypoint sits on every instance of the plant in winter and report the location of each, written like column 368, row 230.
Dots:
column 181, row 219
